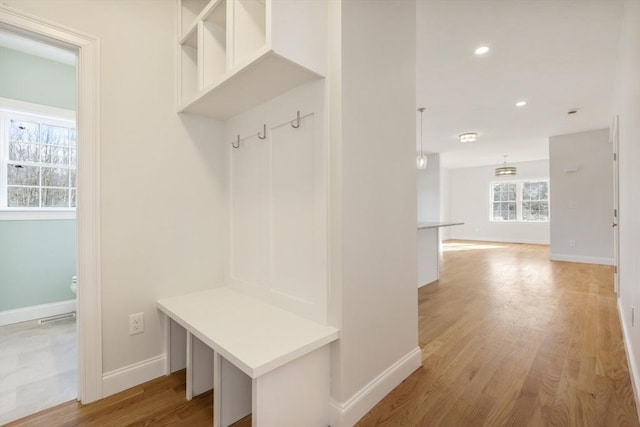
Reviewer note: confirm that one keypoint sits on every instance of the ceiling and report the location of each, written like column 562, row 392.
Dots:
column 36, row 48
column 555, row 54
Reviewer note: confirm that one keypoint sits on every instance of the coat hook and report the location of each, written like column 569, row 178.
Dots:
column 236, row 144
column 264, row 132
column 296, row 121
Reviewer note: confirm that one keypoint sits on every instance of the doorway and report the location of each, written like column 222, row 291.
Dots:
column 89, row 317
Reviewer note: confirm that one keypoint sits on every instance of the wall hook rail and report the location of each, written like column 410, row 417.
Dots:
column 296, row 123
column 264, row 132
column 236, row 144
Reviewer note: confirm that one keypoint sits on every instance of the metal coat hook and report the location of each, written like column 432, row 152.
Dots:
column 236, row 144
column 264, row 132
column 296, row 121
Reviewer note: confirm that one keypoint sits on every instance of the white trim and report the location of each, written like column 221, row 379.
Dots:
column 20, row 215
column 88, row 210
column 130, row 376
column 634, row 369
column 475, row 238
column 348, row 413
column 34, row 312
column 582, row 259
column 30, row 108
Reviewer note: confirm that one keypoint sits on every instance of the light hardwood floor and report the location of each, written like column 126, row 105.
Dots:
column 507, row 337
column 510, row 338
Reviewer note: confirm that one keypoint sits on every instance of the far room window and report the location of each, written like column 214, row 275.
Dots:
column 535, row 201
column 526, row 201
column 505, row 202
column 38, row 160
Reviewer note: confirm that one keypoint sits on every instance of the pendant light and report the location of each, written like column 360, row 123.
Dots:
column 505, row 170
column 421, row 159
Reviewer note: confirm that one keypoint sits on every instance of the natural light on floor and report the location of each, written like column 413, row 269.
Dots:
column 458, row 246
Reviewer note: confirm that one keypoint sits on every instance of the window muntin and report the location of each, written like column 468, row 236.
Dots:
column 38, row 167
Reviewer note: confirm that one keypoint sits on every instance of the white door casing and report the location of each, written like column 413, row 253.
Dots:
column 88, row 198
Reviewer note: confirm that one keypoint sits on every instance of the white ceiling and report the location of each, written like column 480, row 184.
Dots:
column 555, row 54
column 36, row 48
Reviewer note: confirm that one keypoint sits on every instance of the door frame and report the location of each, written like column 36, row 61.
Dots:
column 88, row 199
column 614, row 136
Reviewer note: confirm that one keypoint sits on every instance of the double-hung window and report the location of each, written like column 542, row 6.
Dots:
column 38, row 154
column 526, row 201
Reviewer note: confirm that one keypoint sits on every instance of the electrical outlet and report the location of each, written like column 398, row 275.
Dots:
column 572, row 243
column 136, row 323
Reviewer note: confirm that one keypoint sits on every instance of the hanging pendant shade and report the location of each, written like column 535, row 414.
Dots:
column 421, row 159
column 505, row 170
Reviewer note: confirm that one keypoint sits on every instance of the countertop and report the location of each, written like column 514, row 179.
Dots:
column 423, row 225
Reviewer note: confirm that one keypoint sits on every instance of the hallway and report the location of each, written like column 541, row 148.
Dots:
column 510, row 338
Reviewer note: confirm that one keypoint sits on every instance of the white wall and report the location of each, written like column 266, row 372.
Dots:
column 278, row 202
column 627, row 106
column 581, row 201
column 373, row 202
column 468, row 195
column 162, row 175
column 429, row 190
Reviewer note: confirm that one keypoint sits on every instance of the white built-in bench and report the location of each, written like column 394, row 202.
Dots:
column 258, row 358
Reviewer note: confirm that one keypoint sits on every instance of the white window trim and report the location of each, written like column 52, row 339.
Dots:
column 29, row 110
column 519, row 201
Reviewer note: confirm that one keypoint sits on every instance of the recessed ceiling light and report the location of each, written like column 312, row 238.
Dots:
column 468, row 137
column 521, row 103
column 482, row 50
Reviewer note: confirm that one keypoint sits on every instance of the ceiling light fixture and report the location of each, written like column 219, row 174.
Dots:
column 505, row 170
column 521, row 103
column 468, row 137
column 482, row 50
column 421, row 159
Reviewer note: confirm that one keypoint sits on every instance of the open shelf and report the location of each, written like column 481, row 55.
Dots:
column 262, row 79
column 214, row 44
column 232, row 58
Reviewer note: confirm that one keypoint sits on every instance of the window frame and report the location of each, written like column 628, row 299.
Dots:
column 519, row 201
column 14, row 109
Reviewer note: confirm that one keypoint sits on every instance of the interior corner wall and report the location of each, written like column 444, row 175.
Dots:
column 378, row 344
column 162, row 174
column 627, row 107
column 581, row 187
column 30, row 78
column 469, row 193
column 429, row 190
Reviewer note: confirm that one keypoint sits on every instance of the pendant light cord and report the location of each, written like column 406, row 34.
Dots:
column 421, row 131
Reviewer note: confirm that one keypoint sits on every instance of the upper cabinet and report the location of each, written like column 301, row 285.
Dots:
column 235, row 54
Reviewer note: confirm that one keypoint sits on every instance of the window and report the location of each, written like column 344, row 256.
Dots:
column 535, row 201
column 526, row 201
column 504, row 202
column 38, row 154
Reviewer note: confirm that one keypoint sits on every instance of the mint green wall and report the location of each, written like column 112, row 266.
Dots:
column 38, row 80
column 37, row 260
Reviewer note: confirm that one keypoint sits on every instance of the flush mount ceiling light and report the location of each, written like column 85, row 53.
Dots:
column 505, row 170
column 482, row 50
column 421, row 159
column 468, row 137
column 521, row 103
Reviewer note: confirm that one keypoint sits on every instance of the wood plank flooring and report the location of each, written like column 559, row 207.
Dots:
column 510, row 338
column 507, row 337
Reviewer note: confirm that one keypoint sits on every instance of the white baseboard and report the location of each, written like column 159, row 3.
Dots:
column 581, row 259
column 499, row 240
column 634, row 369
column 36, row 312
column 348, row 413
column 133, row 375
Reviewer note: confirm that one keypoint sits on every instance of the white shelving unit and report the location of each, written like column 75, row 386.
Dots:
column 235, row 54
